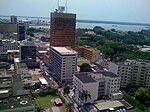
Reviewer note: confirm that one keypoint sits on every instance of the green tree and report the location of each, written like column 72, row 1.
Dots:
column 82, row 42
column 69, row 107
column 85, row 67
column 142, row 94
column 67, row 89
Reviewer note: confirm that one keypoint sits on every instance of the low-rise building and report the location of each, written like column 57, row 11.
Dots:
column 88, row 52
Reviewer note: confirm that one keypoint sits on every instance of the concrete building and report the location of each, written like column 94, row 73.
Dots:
column 18, row 104
column 17, row 84
column 109, row 84
column 5, row 83
column 63, row 64
column 134, row 72
column 21, row 32
column 13, row 30
column 13, row 19
column 91, row 54
column 63, row 29
column 8, row 50
column 27, row 51
column 9, row 30
column 84, row 83
column 6, row 44
column 106, row 84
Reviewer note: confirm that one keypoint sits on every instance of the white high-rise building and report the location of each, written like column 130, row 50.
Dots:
column 63, row 64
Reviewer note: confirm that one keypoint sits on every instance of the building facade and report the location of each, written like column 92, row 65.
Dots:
column 134, row 72
column 62, row 29
column 109, row 84
column 63, row 64
column 84, row 84
column 98, row 85
column 13, row 19
column 27, row 51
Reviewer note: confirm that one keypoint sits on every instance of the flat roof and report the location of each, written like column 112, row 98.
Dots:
column 16, row 60
column 64, row 50
column 22, row 65
column 42, row 51
column 12, row 50
column 43, row 80
column 85, row 78
column 13, row 103
column 108, row 104
column 4, row 91
column 16, row 78
column 108, row 74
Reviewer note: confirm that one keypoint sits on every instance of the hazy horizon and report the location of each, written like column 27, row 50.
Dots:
column 104, row 10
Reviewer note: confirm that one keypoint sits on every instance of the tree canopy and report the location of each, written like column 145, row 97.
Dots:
column 85, row 67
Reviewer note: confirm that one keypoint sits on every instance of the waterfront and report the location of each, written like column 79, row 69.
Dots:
column 105, row 26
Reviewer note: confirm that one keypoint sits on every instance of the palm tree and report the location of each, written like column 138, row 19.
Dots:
column 84, row 96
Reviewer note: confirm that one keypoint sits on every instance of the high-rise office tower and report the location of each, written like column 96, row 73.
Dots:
column 21, row 32
column 27, row 51
column 62, row 29
column 63, row 65
column 13, row 19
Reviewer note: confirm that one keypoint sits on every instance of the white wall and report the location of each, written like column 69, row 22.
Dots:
column 112, row 67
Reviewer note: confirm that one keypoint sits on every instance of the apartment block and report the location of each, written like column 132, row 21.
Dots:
column 63, row 64
column 109, row 84
column 85, row 84
column 135, row 72
column 100, row 84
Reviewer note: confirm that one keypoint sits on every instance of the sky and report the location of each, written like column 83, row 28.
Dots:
column 104, row 10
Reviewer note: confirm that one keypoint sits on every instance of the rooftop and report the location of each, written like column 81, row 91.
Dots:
column 64, row 50
column 16, row 78
column 81, row 58
column 85, row 78
column 43, row 81
column 108, row 74
column 22, row 65
column 108, row 105
column 15, row 103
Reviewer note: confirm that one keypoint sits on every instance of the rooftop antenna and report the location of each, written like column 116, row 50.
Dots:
column 66, row 5
column 58, row 4
column 61, row 9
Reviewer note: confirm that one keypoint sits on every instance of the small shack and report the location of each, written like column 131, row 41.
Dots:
column 58, row 102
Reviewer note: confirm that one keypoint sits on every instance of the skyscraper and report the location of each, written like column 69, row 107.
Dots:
column 63, row 29
column 21, row 32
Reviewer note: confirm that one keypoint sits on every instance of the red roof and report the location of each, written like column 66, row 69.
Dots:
column 58, row 101
column 56, row 109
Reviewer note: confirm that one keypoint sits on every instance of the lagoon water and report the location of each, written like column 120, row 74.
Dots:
column 134, row 28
